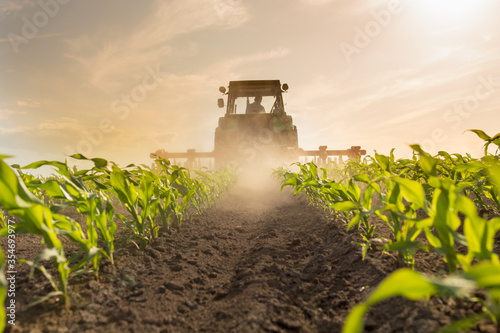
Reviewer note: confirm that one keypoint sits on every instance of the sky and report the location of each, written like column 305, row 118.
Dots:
column 120, row 79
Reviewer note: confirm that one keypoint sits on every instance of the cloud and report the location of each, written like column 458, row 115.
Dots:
column 30, row 103
column 5, row 40
column 277, row 53
column 233, row 68
column 131, row 137
column 6, row 113
column 66, row 124
column 14, row 7
column 231, row 13
column 107, row 62
column 318, row 2
column 380, row 100
column 16, row 130
column 63, row 128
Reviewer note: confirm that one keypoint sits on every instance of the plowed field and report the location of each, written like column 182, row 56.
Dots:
column 259, row 261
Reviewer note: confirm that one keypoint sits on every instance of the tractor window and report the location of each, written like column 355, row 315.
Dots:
column 242, row 103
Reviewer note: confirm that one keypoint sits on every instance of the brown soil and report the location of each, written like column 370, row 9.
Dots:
column 257, row 262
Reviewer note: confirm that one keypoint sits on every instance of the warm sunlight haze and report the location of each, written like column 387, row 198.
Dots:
column 250, row 166
column 454, row 9
column 122, row 79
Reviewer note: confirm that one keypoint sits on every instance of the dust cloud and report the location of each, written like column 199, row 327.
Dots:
column 258, row 192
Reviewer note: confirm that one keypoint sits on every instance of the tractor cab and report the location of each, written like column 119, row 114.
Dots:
column 243, row 94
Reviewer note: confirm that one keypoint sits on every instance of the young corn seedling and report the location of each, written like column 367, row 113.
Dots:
column 70, row 190
column 401, row 201
column 488, row 141
column 34, row 218
column 127, row 191
column 168, row 204
column 186, row 189
column 479, row 235
column 414, row 286
column 441, row 210
column 361, row 205
column 334, row 196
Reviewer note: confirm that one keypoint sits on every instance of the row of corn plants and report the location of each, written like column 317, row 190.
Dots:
column 153, row 197
column 440, row 197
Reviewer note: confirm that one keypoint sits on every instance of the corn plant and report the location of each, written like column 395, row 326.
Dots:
column 155, row 198
column 215, row 184
column 485, row 275
column 72, row 192
column 170, row 195
column 3, row 219
column 334, row 196
column 414, row 286
column 488, row 141
column 479, row 236
column 37, row 219
column 450, row 183
column 448, row 190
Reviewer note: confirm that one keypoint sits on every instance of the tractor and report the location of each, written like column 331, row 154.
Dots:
column 256, row 130
column 256, row 127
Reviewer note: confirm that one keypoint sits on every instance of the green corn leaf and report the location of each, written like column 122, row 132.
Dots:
column 98, row 162
column 84, row 172
column 354, row 191
column 55, row 190
column 62, row 168
column 412, row 191
column 485, row 274
column 426, row 161
column 402, row 245
column 19, row 228
column 362, row 178
column 383, row 161
column 346, row 206
column 45, row 298
column 404, row 282
column 354, row 221
column 119, row 183
column 313, row 169
column 480, row 134
column 57, row 208
column 472, row 166
column 354, row 322
column 494, row 177
column 310, row 183
column 433, row 240
column 14, row 193
column 444, row 154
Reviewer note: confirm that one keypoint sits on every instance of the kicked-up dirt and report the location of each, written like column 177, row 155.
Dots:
column 259, row 261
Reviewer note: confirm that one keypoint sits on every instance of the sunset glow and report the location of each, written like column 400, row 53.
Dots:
column 122, row 79
column 453, row 9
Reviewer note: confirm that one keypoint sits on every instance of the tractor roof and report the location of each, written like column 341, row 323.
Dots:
column 255, row 87
column 255, row 83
